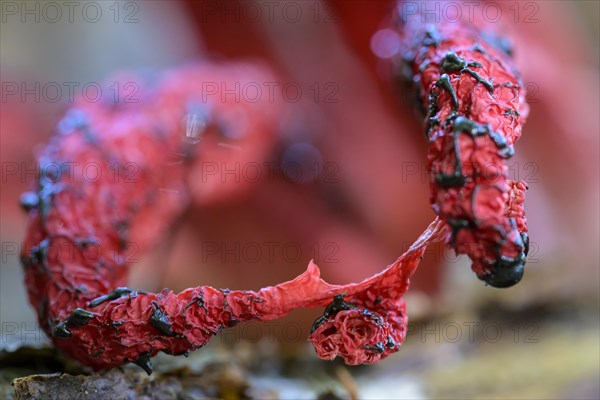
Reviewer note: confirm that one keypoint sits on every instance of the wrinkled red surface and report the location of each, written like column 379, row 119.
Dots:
column 85, row 226
column 131, row 174
column 360, row 336
column 99, row 220
column 481, row 202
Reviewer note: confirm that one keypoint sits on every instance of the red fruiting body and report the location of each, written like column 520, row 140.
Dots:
column 112, row 182
column 474, row 101
column 84, row 225
column 367, row 322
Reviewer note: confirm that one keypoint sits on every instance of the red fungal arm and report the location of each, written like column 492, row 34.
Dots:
column 474, row 105
column 82, row 228
column 368, row 325
column 475, row 108
column 112, row 182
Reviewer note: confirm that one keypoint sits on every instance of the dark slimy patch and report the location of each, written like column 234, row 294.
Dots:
column 79, row 317
column 115, row 294
column 160, row 321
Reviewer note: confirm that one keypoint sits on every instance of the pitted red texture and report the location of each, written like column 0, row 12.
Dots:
column 514, row 206
column 487, row 200
column 83, row 227
column 377, row 326
column 76, row 293
column 358, row 336
column 130, row 174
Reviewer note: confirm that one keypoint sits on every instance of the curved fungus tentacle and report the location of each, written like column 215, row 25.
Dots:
column 475, row 110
